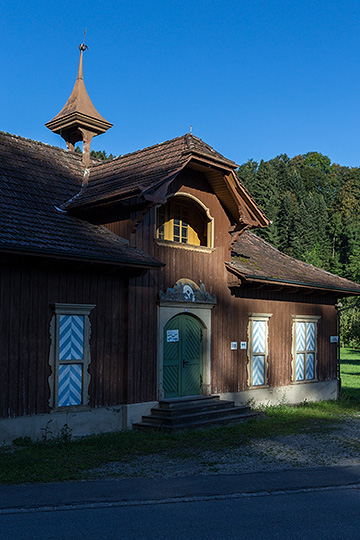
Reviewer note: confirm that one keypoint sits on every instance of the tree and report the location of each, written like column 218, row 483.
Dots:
column 101, row 155
column 350, row 323
column 314, row 207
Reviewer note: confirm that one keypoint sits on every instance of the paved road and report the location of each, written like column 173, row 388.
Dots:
column 308, row 504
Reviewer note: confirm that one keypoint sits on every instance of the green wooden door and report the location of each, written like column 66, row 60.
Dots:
column 182, row 375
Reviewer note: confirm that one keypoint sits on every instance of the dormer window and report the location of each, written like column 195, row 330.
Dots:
column 184, row 220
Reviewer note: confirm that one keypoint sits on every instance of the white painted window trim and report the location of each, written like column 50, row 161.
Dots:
column 306, row 319
column 254, row 317
column 53, row 380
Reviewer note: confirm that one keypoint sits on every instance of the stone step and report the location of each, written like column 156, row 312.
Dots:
column 188, row 408
column 203, row 424
column 187, row 401
column 194, row 412
column 192, row 416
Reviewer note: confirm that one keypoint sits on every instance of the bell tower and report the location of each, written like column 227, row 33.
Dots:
column 78, row 120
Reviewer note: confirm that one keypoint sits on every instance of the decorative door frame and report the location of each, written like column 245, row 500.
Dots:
column 186, row 298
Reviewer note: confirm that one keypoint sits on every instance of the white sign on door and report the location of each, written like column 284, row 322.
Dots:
column 172, row 335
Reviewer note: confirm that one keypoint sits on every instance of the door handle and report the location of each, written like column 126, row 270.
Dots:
column 185, row 362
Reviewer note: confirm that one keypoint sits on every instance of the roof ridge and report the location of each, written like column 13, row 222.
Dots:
column 189, row 141
column 140, row 150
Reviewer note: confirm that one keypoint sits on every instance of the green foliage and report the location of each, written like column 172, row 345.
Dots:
column 350, row 322
column 100, row 155
column 314, row 207
column 22, row 441
column 61, row 439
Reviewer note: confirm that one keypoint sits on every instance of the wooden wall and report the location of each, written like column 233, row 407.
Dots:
column 124, row 323
column 279, row 338
column 230, row 315
column 28, row 290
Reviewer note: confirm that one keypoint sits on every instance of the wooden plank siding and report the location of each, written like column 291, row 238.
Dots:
column 27, row 295
column 124, row 323
column 280, row 330
column 229, row 316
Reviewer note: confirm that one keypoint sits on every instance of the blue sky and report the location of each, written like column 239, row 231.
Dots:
column 254, row 78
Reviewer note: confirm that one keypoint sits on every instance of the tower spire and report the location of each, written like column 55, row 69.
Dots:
column 82, row 48
column 78, row 120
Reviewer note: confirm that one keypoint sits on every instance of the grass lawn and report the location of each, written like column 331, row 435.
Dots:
column 67, row 459
column 350, row 374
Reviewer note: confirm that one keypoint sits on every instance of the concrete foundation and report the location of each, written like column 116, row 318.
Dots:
column 79, row 423
column 110, row 419
column 292, row 394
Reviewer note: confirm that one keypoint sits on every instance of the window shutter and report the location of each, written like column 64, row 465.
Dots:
column 258, row 361
column 71, row 347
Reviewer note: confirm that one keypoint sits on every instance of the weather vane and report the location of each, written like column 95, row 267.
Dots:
column 82, row 45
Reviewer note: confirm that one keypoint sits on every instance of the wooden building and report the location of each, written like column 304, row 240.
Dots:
column 138, row 279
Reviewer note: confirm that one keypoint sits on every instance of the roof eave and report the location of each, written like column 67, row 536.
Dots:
column 80, row 258
column 210, row 160
column 248, row 278
column 77, row 119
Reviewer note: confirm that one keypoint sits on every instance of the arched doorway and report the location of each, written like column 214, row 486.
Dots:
column 183, row 357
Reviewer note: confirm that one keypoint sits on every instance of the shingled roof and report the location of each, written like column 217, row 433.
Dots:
column 36, row 179
column 256, row 262
column 142, row 172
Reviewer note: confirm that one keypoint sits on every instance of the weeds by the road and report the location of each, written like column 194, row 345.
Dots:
column 64, row 458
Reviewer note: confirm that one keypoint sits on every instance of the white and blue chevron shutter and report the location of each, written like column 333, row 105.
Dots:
column 305, row 343
column 70, row 358
column 258, row 349
column 71, row 337
column 258, row 352
column 70, row 385
column 71, row 347
column 300, row 351
column 310, row 350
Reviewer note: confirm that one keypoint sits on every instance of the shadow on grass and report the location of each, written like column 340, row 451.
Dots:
column 351, row 395
column 354, row 362
column 350, row 351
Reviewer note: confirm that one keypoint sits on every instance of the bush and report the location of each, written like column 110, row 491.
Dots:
column 349, row 324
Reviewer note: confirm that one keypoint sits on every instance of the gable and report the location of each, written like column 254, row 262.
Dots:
column 149, row 175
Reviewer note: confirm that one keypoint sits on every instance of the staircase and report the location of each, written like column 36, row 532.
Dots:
column 194, row 412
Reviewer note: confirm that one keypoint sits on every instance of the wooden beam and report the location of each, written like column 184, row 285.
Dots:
column 139, row 217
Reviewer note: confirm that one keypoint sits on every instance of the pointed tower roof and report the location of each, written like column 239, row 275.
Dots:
column 79, row 114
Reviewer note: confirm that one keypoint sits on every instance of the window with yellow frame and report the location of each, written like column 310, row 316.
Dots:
column 183, row 221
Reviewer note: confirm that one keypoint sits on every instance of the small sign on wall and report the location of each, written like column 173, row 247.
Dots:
column 243, row 345
column 172, row 335
column 334, row 339
column 234, row 346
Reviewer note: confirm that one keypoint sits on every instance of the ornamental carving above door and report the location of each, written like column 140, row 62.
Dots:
column 186, row 290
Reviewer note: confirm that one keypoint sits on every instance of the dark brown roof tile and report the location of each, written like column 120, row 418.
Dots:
column 258, row 261
column 144, row 170
column 36, row 179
